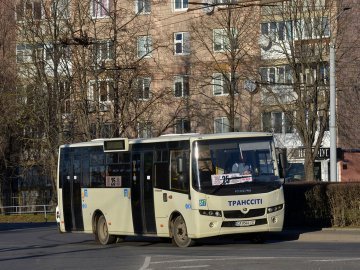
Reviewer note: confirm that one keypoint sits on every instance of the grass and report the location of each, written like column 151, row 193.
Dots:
column 27, row 218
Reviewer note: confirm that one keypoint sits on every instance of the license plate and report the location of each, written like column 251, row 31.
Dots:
column 244, row 223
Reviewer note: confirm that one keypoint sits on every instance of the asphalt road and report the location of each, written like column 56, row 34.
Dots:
column 31, row 247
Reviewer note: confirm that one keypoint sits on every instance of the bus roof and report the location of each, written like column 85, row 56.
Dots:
column 175, row 137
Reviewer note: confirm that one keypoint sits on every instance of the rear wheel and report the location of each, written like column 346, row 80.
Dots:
column 180, row 234
column 102, row 232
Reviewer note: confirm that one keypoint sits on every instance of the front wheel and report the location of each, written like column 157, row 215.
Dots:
column 102, row 232
column 180, row 234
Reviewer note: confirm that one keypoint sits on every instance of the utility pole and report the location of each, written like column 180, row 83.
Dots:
column 332, row 124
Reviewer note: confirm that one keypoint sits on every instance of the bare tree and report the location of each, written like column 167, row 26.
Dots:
column 8, row 104
column 225, row 60
column 295, row 39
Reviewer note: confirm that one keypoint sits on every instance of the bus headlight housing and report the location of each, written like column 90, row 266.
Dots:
column 213, row 213
column 275, row 208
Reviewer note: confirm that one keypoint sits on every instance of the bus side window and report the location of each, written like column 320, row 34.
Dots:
column 179, row 162
column 162, row 169
column 97, row 168
column 162, row 175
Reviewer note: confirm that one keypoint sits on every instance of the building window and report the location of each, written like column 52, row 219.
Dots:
column 221, row 40
column 23, row 53
column 220, row 84
column 143, row 6
column 60, row 9
column 28, row 53
column 181, row 5
column 143, row 88
column 312, row 28
column 221, row 125
column 144, row 46
column 103, row 50
column 280, row 74
column 181, row 43
column 102, row 92
column 182, row 126
column 100, row 8
column 144, row 130
column 181, row 86
column 225, row 40
column 64, row 91
column 107, row 130
column 31, row 10
column 277, row 31
column 278, row 122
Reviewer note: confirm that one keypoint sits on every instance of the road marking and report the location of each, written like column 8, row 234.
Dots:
column 337, row 260
column 189, row 267
column 146, row 263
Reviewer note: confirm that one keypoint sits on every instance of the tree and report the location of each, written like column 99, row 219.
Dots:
column 8, row 104
column 295, row 39
column 225, row 58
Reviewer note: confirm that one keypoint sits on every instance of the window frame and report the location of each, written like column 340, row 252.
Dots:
column 62, row 9
column 144, row 129
column 180, row 126
column 274, row 126
column 224, row 124
column 183, row 81
column 101, row 11
column 145, row 88
column 144, row 5
column 184, row 5
column 98, row 51
column 98, row 97
column 184, row 43
column 144, row 50
column 34, row 11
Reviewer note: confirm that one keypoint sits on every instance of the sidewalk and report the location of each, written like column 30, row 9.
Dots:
column 350, row 235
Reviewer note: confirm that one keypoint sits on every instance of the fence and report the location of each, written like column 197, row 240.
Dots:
column 28, row 209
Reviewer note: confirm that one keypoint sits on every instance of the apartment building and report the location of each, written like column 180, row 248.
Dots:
column 144, row 68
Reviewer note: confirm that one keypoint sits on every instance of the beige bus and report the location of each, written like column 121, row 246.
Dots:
column 184, row 187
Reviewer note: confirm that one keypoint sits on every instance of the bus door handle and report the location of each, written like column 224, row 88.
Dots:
column 164, row 197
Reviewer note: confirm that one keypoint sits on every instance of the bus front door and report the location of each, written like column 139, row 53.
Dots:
column 71, row 192
column 142, row 195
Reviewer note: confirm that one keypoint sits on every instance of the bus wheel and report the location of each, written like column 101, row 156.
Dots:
column 102, row 233
column 180, row 236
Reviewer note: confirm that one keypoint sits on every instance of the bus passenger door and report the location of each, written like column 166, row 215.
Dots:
column 142, row 196
column 71, row 193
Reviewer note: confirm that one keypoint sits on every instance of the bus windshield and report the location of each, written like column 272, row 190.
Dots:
column 233, row 166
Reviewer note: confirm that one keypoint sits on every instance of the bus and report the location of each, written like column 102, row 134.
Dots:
column 184, row 187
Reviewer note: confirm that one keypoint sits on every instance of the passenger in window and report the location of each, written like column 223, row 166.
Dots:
column 241, row 167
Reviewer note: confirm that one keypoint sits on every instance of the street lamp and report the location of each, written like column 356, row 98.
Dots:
column 332, row 123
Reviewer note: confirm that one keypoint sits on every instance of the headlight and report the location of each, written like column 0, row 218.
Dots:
column 213, row 213
column 275, row 208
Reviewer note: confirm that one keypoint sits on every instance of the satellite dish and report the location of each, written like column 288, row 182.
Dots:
column 208, row 6
column 250, row 86
column 265, row 42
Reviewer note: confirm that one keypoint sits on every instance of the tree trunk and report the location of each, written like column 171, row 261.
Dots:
column 309, row 165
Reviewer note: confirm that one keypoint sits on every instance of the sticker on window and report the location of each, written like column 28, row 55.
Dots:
column 113, row 181
column 230, row 179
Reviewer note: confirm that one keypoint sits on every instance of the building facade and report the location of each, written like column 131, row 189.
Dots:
column 141, row 68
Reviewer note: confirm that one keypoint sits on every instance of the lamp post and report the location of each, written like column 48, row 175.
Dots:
column 332, row 122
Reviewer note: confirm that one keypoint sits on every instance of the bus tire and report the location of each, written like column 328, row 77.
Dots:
column 102, row 232
column 180, row 236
